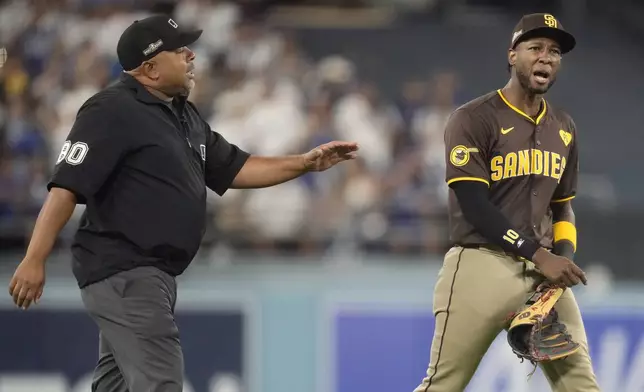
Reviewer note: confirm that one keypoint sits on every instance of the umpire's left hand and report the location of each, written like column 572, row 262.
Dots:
column 330, row 154
column 27, row 283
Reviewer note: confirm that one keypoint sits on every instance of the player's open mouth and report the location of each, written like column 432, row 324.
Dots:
column 541, row 77
column 191, row 74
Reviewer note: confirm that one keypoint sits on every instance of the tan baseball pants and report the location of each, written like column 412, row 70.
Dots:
column 477, row 289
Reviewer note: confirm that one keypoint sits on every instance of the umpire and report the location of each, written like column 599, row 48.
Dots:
column 140, row 157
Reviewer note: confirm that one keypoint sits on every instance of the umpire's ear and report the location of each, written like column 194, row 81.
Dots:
column 150, row 69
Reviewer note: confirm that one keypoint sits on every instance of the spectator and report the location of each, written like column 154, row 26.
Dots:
column 428, row 130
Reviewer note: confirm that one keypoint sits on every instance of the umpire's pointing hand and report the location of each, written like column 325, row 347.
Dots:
column 327, row 155
column 27, row 283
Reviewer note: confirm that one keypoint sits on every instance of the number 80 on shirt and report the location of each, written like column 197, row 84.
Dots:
column 73, row 154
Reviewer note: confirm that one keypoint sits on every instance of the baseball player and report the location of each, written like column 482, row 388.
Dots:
column 512, row 163
column 140, row 157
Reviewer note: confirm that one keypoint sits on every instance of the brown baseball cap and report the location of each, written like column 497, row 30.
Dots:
column 542, row 25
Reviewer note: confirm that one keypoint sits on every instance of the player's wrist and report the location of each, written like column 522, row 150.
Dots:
column 519, row 245
column 540, row 255
column 529, row 249
column 565, row 249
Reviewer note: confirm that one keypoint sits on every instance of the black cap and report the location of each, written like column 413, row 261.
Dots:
column 145, row 38
column 542, row 25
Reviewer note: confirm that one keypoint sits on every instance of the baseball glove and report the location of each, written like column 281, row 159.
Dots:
column 535, row 333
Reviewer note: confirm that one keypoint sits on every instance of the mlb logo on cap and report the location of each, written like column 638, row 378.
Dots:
column 145, row 38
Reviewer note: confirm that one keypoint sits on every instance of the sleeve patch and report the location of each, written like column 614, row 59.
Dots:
column 566, row 137
column 460, row 155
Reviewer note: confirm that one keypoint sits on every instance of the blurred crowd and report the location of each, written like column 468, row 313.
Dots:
column 257, row 87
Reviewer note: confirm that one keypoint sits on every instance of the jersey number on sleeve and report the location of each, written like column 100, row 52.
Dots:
column 73, row 154
column 511, row 236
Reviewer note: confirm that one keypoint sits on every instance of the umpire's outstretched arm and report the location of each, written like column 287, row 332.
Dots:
column 261, row 172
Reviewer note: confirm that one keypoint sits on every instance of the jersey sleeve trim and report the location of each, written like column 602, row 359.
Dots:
column 563, row 199
column 80, row 198
column 225, row 181
column 453, row 180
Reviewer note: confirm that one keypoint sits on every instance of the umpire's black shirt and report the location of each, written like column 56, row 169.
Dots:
column 141, row 166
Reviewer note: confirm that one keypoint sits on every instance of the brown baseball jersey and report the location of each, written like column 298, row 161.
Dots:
column 526, row 162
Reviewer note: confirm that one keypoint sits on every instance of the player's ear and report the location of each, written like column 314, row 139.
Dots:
column 512, row 57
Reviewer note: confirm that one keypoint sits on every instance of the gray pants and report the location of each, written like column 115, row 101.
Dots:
column 139, row 349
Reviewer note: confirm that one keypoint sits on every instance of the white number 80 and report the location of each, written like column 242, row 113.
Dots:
column 74, row 154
